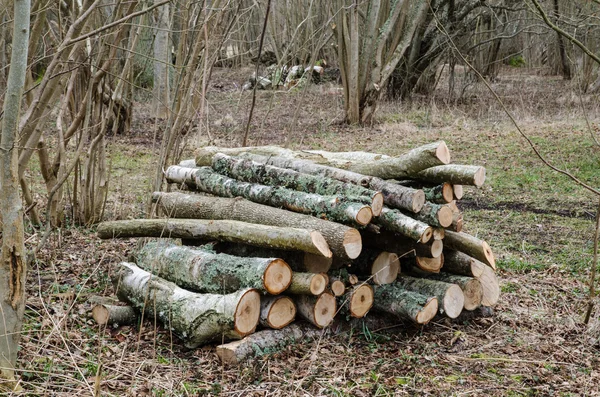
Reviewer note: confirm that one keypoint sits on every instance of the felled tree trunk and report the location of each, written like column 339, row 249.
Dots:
column 318, row 310
column 253, row 172
column 308, row 283
column 344, row 242
column 357, row 301
column 413, row 306
column 284, row 238
column 471, row 287
column 381, row 267
column 205, row 271
column 195, row 318
column 395, row 221
column 450, row 296
column 331, row 207
column 471, row 246
column 453, row 173
column 276, row 312
column 439, row 194
column 462, row 264
column 109, row 315
column 438, row 215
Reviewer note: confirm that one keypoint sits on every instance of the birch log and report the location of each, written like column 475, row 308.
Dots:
column 344, row 241
column 195, row 318
column 109, row 315
column 332, row 207
column 205, row 271
column 285, row 238
column 410, row 305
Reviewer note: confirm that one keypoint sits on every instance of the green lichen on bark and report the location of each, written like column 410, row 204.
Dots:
column 395, row 221
column 393, row 299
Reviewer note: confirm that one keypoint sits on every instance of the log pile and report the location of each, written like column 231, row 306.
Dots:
column 269, row 235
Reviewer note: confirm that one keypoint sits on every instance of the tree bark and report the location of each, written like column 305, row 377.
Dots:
column 380, row 266
column 344, row 242
column 284, row 238
column 333, row 207
column 450, row 297
column 437, row 215
column 308, row 283
column 395, row 221
column 471, row 246
column 439, row 194
column 318, row 310
column 276, row 312
column 462, row 264
column 410, row 305
column 204, row 271
column 195, row 318
column 13, row 269
column 453, row 173
column 112, row 315
column 253, row 172
column 471, row 287
column 162, row 60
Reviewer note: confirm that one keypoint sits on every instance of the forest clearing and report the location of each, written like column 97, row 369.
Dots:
column 539, row 223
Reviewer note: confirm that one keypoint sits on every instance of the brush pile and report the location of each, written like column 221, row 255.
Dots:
column 270, row 234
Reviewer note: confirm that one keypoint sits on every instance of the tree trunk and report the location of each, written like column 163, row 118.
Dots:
column 112, row 315
column 413, row 306
column 471, row 246
column 318, row 310
column 162, row 60
column 453, row 173
column 205, row 271
column 253, row 172
column 462, row 264
column 380, row 267
column 195, row 318
column 276, row 312
column 450, row 296
column 344, row 242
column 331, row 207
column 471, row 287
column 13, row 269
column 439, row 194
column 221, row 230
column 308, row 283
column 264, row 341
column 437, row 215
column 566, row 68
column 395, row 221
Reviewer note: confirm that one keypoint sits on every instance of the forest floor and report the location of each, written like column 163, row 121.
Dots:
column 539, row 224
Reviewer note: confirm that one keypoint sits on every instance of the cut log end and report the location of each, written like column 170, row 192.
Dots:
column 352, row 243
column 426, row 235
column 437, row 247
column 377, row 204
column 364, row 215
column 320, row 243
column 479, row 177
column 247, row 313
column 338, row 287
column 443, row 153
column 361, row 301
column 278, row 277
column 458, row 191
column 444, row 216
column 489, row 255
column 428, row 312
column 324, row 310
column 318, row 284
column 473, row 292
column 281, row 313
column 447, row 192
column 430, row 265
column 439, row 233
column 418, row 201
column 454, row 301
column 385, row 268
column 491, row 287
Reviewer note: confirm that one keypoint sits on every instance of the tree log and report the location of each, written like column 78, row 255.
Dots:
column 393, row 242
column 439, row 233
column 471, row 246
column 462, row 264
column 438, row 215
column 458, row 191
column 195, row 318
column 457, row 174
column 427, row 265
column 285, row 238
column 439, row 194
column 450, row 296
column 491, row 287
column 395, row 221
column 343, row 241
column 113, row 315
column 276, row 312
column 471, row 287
column 235, row 352
column 308, row 283
column 380, row 266
column 338, row 287
column 318, row 310
column 250, row 171
column 357, row 301
column 334, row 208
column 204, row 271
column 394, row 299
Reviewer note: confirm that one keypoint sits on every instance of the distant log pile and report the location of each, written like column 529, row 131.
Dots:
column 278, row 234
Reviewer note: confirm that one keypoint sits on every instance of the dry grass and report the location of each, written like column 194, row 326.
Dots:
column 537, row 222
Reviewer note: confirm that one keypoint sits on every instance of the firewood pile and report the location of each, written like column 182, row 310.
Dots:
column 269, row 235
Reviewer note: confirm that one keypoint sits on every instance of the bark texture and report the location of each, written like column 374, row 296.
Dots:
column 409, row 305
column 195, row 318
column 471, row 287
column 453, row 173
column 308, row 283
column 112, row 315
column 462, row 264
column 471, row 246
column 395, row 221
column 344, row 241
column 450, row 297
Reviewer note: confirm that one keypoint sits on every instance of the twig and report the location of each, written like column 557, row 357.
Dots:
column 260, row 47
column 592, row 295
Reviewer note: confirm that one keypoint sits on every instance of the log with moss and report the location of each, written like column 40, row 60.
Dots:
column 357, row 301
column 285, row 238
column 113, row 315
column 318, row 310
column 439, row 194
column 393, row 242
column 462, row 264
column 276, row 312
column 334, row 208
column 253, row 172
column 450, row 296
column 308, row 283
column 267, row 341
column 204, row 271
column 394, row 195
column 195, row 318
column 471, row 287
column 437, row 215
column 344, row 241
column 395, row 221
column 381, row 267
column 470, row 245
column 405, row 304
column 456, row 174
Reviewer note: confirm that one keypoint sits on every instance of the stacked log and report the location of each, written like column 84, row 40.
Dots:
column 271, row 235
